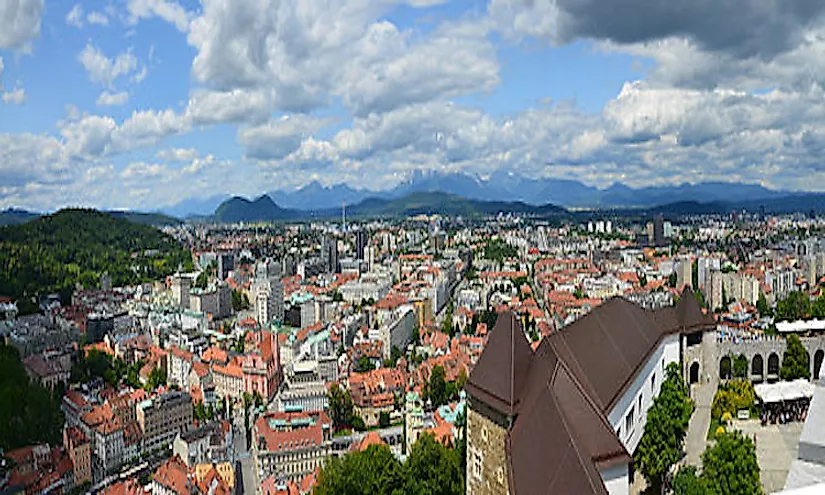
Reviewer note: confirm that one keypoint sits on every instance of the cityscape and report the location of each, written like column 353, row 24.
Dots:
column 499, row 247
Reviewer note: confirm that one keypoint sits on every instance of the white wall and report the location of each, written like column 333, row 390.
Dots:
column 617, row 479
column 666, row 352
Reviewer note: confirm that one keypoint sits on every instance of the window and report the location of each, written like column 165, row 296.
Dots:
column 477, row 461
column 628, row 421
column 640, row 405
column 653, row 384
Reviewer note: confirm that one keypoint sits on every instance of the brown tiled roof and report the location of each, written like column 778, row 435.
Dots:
column 501, row 371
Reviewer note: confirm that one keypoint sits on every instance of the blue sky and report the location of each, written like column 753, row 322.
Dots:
column 146, row 103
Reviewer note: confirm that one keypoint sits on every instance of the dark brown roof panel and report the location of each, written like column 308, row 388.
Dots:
column 607, row 346
column 501, row 371
column 688, row 314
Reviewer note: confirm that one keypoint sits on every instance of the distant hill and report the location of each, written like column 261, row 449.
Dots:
column 447, row 204
column 14, row 216
column 262, row 209
column 54, row 252
column 154, row 219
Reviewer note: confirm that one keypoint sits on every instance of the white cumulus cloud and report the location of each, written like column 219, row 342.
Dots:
column 107, row 99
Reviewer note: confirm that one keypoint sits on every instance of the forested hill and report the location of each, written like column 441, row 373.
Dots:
column 53, row 252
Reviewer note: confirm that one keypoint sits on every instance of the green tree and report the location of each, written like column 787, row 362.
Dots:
column 700, row 297
column 363, row 364
column 373, row 471
column 157, row 377
column 239, row 300
column 818, row 307
column 796, row 361
column 762, row 306
column 29, row 413
column 340, row 406
column 671, row 280
column 688, row 482
column 384, row 419
column 489, row 318
column 732, row 397
column 433, row 469
column 438, row 386
column 730, row 466
column 665, row 428
column 740, row 366
column 796, row 306
column 199, row 411
column 54, row 252
column 202, row 280
column 447, row 323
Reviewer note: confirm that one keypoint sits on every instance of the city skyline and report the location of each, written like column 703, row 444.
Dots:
column 145, row 103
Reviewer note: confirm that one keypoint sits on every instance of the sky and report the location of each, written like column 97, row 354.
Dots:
column 142, row 104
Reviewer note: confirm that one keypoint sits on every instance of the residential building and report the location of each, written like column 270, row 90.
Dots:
column 228, row 380
column 291, row 444
column 79, row 449
column 202, row 445
column 179, row 366
column 162, row 417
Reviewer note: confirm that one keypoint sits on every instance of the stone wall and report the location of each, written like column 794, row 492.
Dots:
column 486, row 455
column 709, row 354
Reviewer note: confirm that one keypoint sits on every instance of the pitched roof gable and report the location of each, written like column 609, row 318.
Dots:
column 500, row 374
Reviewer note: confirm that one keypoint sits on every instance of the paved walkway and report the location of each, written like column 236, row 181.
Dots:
column 696, row 439
column 776, row 448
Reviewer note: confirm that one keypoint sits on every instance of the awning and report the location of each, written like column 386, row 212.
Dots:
column 800, row 326
column 770, row 393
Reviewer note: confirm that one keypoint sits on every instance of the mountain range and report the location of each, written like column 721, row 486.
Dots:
column 500, row 186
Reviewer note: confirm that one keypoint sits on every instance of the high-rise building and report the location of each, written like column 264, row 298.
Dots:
column 658, row 231
column 360, row 244
column 224, row 300
column 226, row 263
column 180, row 290
column 269, row 300
column 329, row 250
column 704, row 267
column 684, row 272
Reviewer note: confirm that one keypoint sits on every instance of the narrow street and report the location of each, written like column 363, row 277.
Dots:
column 696, row 439
column 246, row 477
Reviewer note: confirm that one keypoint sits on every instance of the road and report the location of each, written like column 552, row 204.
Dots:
column 696, row 439
column 247, row 479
